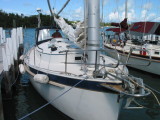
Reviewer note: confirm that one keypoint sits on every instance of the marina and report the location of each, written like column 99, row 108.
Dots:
column 32, row 100
column 62, row 71
column 24, row 97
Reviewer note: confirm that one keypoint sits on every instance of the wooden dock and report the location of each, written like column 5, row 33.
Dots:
column 9, row 56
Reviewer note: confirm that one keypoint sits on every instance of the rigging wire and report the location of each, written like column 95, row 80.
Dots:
column 152, row 89
column 145, row 23
column 53, row 100
column 49, row 5
column 63, row 7
column 85, row 24
column 55, row 1
column 118, row 14
column 102, row 22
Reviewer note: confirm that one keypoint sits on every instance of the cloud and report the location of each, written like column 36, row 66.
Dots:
column 143, row 14
column 105, row 2
column 147, row 16
column 147, row 6
column 77, row 14
column 130, row 5
column 157, row 19
column 48, row 11
column 131, row 15
column 119, row 16
column 113, row 16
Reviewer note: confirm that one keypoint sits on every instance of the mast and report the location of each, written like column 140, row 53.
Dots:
column 126, row 9
column 93, row 42
column 39, row 18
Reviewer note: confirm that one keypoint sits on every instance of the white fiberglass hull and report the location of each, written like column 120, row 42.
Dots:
column 81, row 104
column 139, row 62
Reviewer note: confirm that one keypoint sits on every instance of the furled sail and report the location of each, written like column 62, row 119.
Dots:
column 80, row 34
column 75, row 35
column 67, row 29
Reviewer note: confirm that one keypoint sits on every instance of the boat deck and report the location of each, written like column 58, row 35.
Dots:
column 55, row 61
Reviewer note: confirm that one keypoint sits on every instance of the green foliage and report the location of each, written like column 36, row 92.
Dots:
column 105, row 24
column 6, row 20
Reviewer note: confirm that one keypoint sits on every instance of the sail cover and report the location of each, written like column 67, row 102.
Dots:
column 66, row 29
column 123, row 24
column 76, row 35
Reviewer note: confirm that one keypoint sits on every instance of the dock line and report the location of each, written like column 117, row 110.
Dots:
column 152, row 89
column 15, row 79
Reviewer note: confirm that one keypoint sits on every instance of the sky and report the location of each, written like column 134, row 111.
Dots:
column 113, row 10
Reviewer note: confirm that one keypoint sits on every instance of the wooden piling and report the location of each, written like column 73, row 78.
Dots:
column 10, row 51
column 1, row 75
column 6, row 81
column 1, row 105
column 6, row 86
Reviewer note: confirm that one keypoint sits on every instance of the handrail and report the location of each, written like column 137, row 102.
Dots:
column 84, row 62
column 66, row 62
column 130, row 52
column 107, row 65
column 63, row 7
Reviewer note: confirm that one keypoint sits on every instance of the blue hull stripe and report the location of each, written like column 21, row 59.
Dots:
column 88, row 85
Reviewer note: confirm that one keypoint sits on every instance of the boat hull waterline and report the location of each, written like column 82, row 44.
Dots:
column 81, row 104
column 138, row 62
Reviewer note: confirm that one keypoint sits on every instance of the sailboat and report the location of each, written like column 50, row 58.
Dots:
column 141, row 48
column 81, row 82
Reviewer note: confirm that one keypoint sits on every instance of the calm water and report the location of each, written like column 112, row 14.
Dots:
column 26, row 99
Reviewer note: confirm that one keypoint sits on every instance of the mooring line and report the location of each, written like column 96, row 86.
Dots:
column 152, row 89
column 16, row 78
column 51, row 100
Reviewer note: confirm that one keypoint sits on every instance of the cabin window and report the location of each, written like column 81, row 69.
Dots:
column 78, row 58
column 156, row 52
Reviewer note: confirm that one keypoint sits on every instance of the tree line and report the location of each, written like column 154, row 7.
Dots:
column 10, row 20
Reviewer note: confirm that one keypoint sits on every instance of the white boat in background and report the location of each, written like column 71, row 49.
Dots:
column 141, row 48
column 82, row 83
column 143, row 57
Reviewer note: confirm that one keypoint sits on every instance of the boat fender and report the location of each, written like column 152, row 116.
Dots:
column 21, row 57
column 41, row 78
column 21, row 68
column 115, row 42
column 143, row 52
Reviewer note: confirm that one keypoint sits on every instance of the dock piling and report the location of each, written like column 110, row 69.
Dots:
column 10, row 51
